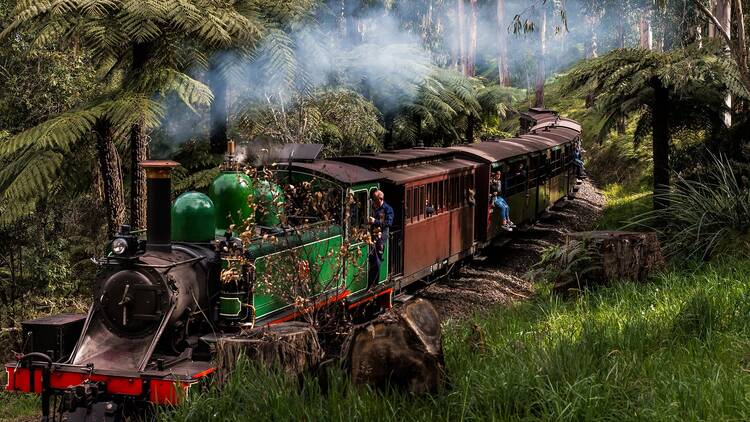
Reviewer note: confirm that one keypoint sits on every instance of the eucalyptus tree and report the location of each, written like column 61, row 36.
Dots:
column 667, row 91
column 143, row 49
column 268, row 54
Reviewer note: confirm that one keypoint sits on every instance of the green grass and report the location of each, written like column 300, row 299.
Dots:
column 677, row 348
column 623, row 203
column 15, row 406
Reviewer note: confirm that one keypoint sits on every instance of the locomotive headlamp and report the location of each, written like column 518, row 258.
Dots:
column 119, row 246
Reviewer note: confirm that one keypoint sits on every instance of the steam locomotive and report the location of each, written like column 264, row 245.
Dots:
column 267, row 246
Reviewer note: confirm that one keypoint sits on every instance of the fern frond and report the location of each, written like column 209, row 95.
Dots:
column 58, row 133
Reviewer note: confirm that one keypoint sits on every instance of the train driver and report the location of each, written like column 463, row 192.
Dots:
column 380, row 223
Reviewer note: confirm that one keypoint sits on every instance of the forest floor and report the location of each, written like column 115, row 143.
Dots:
column 500, row 275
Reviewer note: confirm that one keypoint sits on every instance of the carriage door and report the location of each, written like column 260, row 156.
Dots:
column 358, row 232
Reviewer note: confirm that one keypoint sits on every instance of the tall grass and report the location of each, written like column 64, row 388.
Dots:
column 675, row 349
column 14, row 406
column 708, row 214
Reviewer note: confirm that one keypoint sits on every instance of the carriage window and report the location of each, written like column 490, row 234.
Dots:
column 358, row 212
column 407, row 204
column 455, row 191
column 517, row 177
column 441, row 195
column 412, row 208
column 420, row 204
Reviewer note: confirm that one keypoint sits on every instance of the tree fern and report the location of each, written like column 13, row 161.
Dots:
column 57, row 133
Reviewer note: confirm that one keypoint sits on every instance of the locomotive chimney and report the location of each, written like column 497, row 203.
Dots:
column 159, row 212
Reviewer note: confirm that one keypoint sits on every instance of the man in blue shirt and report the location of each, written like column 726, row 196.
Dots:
column 380, row 225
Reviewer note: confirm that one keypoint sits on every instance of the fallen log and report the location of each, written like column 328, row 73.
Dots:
column 402, row 348
column 293, row 347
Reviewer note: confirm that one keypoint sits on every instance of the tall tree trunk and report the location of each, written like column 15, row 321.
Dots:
column 109, row 165
column 472, row 54
column 138, row 153
column 351, row 23
column 724, row 14
column 138, row 150
column 540, row 67
column 738, row 51
column 388, row 142
column 470, row 126
column 218, row 112
column 591, row 53
column 620, row 125
column 661, row 140
column 502, row 46
column 646, row 33
column 461, row 16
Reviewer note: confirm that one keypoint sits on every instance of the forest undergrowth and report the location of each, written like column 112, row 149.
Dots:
column 675, row 348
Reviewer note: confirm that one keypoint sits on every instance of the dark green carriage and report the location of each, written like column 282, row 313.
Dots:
column 309, row 211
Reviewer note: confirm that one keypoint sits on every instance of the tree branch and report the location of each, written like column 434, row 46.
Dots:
column 739, row 53
column 714, row 20
column 740, row 18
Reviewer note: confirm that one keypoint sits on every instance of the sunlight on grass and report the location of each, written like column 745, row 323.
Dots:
column 671, row 349
column 622, row 205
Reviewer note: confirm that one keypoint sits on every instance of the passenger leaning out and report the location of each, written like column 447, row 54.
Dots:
column 499, row 203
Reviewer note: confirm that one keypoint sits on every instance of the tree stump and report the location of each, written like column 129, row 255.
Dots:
column 402, row 348
column 292, row 346
column 623, row 255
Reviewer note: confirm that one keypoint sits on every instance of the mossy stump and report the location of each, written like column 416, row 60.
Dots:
column 622, row 255
column 402, row 348
column 292, row 347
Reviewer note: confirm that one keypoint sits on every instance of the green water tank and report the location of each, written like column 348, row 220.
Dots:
column 193, row 218
column 230, row 192
column 270, row 200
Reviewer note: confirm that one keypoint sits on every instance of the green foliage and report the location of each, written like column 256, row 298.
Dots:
column 674, row 349
column 572, row 263
column 342, row 120
column 623, row 83
column 443, row 103
column 707, row 215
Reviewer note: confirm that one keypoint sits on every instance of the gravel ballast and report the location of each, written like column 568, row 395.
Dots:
column 498, row 274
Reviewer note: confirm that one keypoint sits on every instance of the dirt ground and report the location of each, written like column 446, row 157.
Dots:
column 497, row 276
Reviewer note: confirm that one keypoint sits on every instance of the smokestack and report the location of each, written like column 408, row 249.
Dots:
column 159, row 213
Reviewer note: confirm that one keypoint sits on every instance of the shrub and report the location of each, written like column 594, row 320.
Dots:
column 706, row 215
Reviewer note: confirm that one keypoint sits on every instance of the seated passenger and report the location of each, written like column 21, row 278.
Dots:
column 429, row 210
column 578, row 161
column 499, row 203
column 496, row 182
